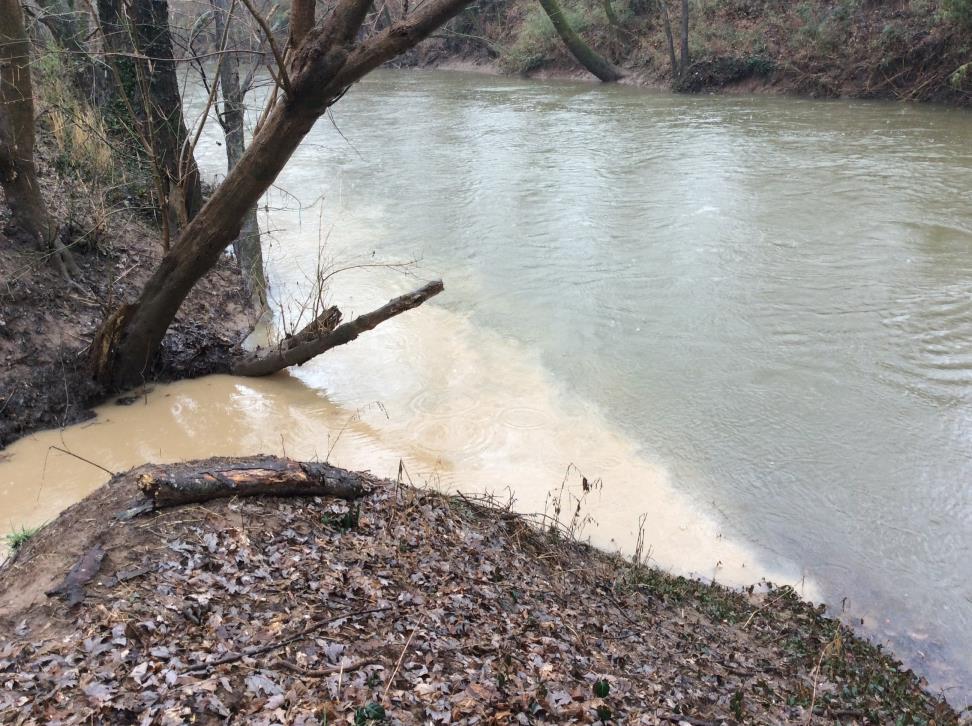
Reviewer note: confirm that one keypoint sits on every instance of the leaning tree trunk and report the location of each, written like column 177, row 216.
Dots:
column 18, row 174
column 166, row 126
column 685, row 38
column 585, row 55
column 319, row 72
column 249, row 251
column 667, row 24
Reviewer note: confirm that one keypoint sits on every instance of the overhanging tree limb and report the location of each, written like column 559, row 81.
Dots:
column 321, row 70
column 263, row 363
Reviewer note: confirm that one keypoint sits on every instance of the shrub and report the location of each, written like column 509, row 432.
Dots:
column 959, row 11
column 78, row 131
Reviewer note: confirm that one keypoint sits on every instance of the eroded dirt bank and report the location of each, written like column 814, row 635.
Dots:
column 47, row 323
column 406, row 603
column 906, row 50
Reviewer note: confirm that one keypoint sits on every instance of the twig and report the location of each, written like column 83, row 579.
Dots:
column 324, row 672
column 398, row 665
column 86, row 461
column 259, row 650
column 763, row 607
column 681, row 718
column 835, row 645
column 284, row 79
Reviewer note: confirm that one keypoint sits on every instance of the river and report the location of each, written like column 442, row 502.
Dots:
column 750, row 318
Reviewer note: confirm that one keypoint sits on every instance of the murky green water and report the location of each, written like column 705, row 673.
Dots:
column 764, row 304
column 773, row 297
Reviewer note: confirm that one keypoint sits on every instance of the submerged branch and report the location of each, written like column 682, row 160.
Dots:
column 263, row 363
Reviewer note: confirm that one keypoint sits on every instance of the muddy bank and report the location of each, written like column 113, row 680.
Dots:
column 909, row 50
column 413, row 605
column 46, row 323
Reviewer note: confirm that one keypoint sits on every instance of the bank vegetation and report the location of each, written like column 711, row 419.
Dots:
column 906, row 50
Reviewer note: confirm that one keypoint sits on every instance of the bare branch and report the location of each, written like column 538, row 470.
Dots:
column 284, row 79
column 263, row 364
column 212, row 92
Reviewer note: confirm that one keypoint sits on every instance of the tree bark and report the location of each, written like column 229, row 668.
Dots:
column 684, row 38
column 301, row 21
column 585, row 55
column 323, row 324
column 117, row 48
column 612, row 17
column 247, row 245
column 320, row 71
column 263, row 363
column 18, row 173
column 172, row 485
column 669, row 36
column 166, row 126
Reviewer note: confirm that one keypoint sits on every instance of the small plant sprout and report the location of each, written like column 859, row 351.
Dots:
column 18, row 538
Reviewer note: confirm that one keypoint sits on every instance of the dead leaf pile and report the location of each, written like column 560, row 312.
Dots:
column 425, row 610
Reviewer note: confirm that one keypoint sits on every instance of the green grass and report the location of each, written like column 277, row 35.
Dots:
column 18, row 538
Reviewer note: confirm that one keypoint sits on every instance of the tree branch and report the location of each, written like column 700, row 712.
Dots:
column 263, row 363
column 301, row 21
column 284, row 79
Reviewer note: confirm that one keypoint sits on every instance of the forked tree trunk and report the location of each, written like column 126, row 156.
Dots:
column 585, row 55
column 327, row 63
column 18, row 174
column 166, row 126
column 248, row 247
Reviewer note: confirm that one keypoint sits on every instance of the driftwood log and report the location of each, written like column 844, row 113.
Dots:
column 170, row 485
column 320, row 335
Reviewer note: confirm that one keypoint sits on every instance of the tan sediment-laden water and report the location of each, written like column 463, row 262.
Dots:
column 749, row 318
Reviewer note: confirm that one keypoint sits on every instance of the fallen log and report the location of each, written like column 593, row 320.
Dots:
column 264, row 362
column 170, row 485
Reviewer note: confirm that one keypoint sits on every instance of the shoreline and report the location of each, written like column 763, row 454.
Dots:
column 218, row 308
column 544, row 610
column 745, row 87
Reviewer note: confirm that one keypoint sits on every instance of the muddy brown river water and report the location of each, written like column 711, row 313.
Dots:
column 751, row 318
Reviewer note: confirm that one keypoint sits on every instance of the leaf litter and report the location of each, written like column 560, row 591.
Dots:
column 410, row 607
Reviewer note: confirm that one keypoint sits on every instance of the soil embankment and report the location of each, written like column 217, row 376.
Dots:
column 406, row 603
column 909, row 50
column 47, row 323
